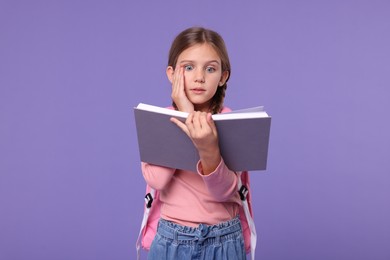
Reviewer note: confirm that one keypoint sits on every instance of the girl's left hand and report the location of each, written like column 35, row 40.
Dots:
column 201, row 129
column 179, row 95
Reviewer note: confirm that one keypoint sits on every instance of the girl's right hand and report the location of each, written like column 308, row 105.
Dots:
column 201, row 129
column 178, row 91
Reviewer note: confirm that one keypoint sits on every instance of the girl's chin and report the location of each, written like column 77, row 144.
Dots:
column 198, row 100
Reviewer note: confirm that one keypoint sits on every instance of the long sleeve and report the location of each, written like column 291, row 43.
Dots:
column 222, row 183
column 156, row 176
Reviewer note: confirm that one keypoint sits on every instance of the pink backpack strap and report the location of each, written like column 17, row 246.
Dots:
column 148, row 203
column 149, row 221
column 248, row 225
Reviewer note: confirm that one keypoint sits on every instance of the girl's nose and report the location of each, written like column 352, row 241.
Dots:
column 199, row 76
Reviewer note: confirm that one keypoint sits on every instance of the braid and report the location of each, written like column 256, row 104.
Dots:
column 216, row 105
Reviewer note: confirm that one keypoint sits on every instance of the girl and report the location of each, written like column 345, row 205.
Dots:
column 199, row 212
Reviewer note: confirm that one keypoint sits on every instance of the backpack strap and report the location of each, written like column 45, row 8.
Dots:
column 148, row 204
column 243, row 191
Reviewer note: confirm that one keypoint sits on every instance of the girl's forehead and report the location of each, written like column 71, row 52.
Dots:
column 199, row 52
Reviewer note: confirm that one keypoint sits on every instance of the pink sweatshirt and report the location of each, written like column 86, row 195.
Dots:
column 190, row 198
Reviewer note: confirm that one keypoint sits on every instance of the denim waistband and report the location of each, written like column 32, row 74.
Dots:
column 201, row 233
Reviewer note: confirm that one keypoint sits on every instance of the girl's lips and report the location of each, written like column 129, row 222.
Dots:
column 198, row 90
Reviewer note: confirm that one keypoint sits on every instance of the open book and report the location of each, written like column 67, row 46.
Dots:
column 243, row 138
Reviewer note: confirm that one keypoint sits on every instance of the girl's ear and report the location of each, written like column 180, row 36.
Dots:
column 224, row 77
column 170, row 71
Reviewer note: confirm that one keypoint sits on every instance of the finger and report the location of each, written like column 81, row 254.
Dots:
column 196, row 121
column 174, row 81
column 180, row 124
column 211, row 123
column 190, row 122
column 181, row 79
column 204, row 121
column 178, row 82
column 175, row 76
column 208, row 124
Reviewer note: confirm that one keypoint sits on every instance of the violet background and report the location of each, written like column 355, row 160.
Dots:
column 71, row 71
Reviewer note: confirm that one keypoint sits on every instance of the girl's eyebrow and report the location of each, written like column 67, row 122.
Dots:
column 191, row 61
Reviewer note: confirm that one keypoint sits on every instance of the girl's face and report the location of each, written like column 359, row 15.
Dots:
column 202, row 74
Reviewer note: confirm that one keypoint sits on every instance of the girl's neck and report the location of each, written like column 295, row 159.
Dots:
column 202, row 108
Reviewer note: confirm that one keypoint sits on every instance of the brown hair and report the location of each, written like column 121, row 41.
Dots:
column 199, row 35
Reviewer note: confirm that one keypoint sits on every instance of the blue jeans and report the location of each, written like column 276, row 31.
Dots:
column 222, row 241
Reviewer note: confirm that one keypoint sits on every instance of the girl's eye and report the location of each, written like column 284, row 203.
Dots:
column 188, row 67
column 210, row 69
